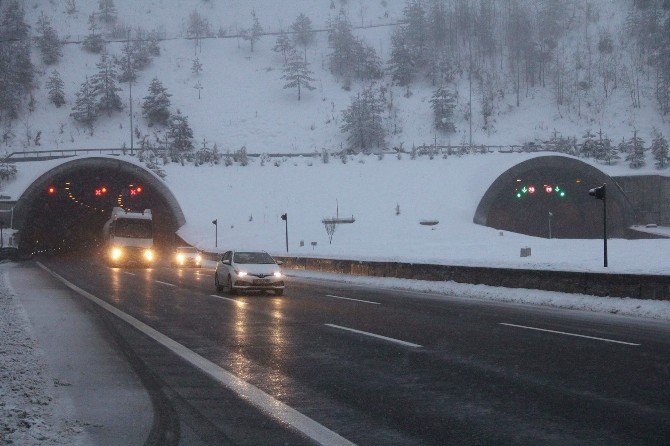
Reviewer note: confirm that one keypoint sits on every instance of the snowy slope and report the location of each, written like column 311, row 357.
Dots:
column 243, row 102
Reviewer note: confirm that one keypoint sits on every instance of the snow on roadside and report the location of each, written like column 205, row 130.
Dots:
column 28, row 412
column 624, row 306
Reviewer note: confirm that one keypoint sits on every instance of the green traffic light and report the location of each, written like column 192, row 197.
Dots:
column 518, row 195
column 557, row 189
column 562, row 194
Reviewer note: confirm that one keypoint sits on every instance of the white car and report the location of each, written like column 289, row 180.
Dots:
column 247, row 270
column 187, row 256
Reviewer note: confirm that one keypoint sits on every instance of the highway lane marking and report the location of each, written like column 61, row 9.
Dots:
column 349, row 298
column 569, row 334
column 238, row 302
column 264, row 402
column 385, row 338
column 165, row 283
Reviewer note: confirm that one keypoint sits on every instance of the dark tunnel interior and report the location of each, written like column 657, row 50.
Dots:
column 68, row 213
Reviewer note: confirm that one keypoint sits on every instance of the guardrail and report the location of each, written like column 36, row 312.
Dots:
column 49, row 154
column 597, row 284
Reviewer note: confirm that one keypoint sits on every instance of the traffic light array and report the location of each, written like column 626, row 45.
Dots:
column 531, row 191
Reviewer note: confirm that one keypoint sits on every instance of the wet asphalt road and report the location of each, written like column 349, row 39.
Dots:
column 465, row 371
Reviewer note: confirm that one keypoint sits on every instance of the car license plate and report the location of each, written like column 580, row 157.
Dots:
column 262, row 282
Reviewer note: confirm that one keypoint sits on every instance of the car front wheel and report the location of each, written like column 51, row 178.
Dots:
column 231, row 288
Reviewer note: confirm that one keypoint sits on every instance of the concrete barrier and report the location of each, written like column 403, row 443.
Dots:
column 598, row 284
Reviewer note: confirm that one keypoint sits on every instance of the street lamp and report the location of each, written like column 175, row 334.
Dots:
column 285, row 218
column 215, row 222
column 550, row 215
column 600, row 193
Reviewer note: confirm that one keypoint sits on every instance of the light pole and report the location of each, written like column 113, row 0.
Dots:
column 215, row 222
column 600, row 193
column 285, row 218
column 550, row 215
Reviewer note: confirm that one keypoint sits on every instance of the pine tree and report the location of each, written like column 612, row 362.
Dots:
column 85, row 109
column 47, row 41
column 127, row 69
column 610, row 152
column 402, row 63
column 439, row 30
column 196, row 68
column 415, row 30
column 283, row 45
column 180, row 136
column 297, row 74
column 659, row 148
column 93, row 43
column 253, row 34
column 342, row 43
column 443, row 103
column 55, row 87
column 104, row 86
column 588, row 147
column 363, row 121
column 16, row 68
column 156, row 106
column 304, row 35
column 636, row 152
column 107, row 11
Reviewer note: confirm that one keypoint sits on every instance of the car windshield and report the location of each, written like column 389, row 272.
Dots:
column 253, row 257
column 187, row 250
column 132, row 228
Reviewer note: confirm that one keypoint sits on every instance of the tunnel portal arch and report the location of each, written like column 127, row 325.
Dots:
column 32, row 205
column 507, row 205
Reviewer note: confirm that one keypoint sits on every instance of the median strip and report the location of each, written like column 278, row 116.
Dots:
column 267, row 404
column 385, row 338
column 569, row 334
column 356, row 300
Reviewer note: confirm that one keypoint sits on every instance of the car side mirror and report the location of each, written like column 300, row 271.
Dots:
column 279, row 262
column 225, row 262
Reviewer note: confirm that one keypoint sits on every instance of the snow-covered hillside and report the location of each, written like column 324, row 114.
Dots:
column 243, row 102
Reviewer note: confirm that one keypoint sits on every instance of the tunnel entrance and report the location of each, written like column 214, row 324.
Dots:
column 65, row 209
column 548, row 196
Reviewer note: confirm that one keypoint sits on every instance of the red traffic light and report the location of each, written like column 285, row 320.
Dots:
column 136, row 191
column 51, row 190
column 101, row 191
column 531, row 189
column 548, row 189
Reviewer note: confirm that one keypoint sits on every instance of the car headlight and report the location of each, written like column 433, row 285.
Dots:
column 241, row 273
column 198, row 258
column 116, row 253
column 149, row 255
column 277, row 274
column 180, row 258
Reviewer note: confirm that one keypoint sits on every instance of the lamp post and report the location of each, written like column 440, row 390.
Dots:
column 600, row 193
column 215, row 222
column 550, row 215
column 285, row 218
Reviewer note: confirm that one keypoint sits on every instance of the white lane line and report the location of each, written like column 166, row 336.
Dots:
column 129, row 273
column 356, row 300
column 569, row 334
column 267, row 404
column 397, row 341
column 165, row 283
column 238, row 302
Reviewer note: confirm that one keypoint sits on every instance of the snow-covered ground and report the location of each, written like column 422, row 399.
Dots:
column 28, row 413
column 437, row 290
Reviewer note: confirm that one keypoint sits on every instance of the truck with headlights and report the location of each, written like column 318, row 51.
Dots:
column 129, row 238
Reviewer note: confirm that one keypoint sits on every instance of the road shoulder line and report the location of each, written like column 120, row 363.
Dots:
column 355, row 300
column 264, row 402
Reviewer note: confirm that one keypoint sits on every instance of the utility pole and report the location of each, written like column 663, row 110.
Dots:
column 130, row 93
